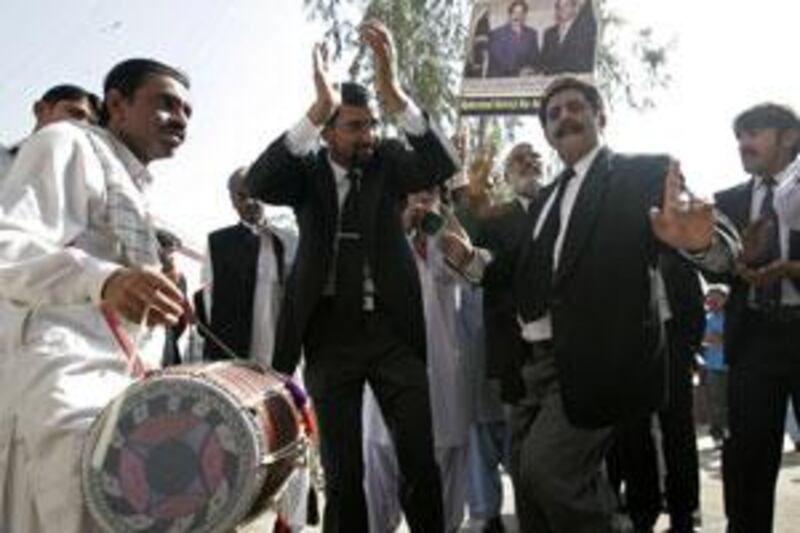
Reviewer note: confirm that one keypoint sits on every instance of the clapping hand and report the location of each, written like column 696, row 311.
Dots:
column 683, row 221
column 328, row 96
column 454, row 242
column 377, row 36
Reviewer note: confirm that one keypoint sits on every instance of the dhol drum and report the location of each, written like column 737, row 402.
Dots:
column 195, row 448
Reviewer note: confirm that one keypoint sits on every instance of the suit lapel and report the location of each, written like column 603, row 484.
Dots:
column 327, row 190
column 741, row 202
column 584, row 213
column 532, row 218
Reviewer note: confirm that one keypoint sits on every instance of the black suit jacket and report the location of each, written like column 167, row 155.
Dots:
column 234, row 252
column 607, row 332
column 685, row 297
column 736, row 204
column 307, row 184
column 576, row 53
column 503, row 232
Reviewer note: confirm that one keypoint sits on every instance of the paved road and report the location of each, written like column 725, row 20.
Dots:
column 787, row 515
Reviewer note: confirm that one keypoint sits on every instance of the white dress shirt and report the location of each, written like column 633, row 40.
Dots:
column 542, row 329
column 304, row 137
column 786, row 200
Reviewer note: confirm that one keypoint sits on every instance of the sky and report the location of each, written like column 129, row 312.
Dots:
column 249, row 61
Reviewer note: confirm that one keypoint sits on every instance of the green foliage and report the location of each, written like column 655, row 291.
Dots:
column 431, row 35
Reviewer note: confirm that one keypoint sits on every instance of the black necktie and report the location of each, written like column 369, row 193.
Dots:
column 534, row 300
column 350, row 252
column 769, row 296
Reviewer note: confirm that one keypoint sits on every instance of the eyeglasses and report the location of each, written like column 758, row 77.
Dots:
column 357, row 126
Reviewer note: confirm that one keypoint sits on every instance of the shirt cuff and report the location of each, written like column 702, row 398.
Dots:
column 96, row 272
column 474, row 269
column 412, row 120
column 719, row 257
column 302, row 137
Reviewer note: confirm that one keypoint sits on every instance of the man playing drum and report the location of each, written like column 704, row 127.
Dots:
column 79, row 270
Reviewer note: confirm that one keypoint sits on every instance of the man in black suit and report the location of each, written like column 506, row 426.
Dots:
column 588, row 310
column 762, row 315
column 244, row 285
column 635, row 444
column 502, row 231
column 514, row 46
column 570, row 44
column 353, row 297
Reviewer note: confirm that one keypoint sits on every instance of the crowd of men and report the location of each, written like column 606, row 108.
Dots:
column 441, row 336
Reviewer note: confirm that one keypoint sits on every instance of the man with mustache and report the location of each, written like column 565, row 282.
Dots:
column 353, row 297
column 590, row 307
column 78, row 258
column 762, row 313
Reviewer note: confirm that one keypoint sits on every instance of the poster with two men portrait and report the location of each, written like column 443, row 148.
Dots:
column 515, row 47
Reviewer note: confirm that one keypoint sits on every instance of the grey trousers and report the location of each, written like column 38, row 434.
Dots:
column 557, row 468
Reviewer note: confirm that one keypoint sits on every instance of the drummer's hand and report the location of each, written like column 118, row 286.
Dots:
column 134, row 292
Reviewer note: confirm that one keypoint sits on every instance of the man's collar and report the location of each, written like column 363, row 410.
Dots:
column 790, row 170
column 339, row 172
column 140, row 176
column 581, row 167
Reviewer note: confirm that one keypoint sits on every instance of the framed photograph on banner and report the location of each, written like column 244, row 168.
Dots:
column 515, row 47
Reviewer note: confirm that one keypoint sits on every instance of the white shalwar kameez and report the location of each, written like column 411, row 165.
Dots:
column 450, row 405
column 60, row 364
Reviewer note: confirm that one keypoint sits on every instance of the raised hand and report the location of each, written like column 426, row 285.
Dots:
column 136, row 294
column 685, row 223
column 379, row 39
column 328, row 97
column 454, row 241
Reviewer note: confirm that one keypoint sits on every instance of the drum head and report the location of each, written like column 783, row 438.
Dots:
column 182, row 456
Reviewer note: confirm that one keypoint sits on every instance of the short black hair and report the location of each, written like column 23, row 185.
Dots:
column 353, row 94
column 768, row 115
column 67, row 91
column 64, row 91
column 516, row 3
column 131, row 74
column 588, row 90
column 127, row 76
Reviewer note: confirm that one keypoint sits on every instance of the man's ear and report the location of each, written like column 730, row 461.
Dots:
column 40, row 110
column 326, row 134
column 115, row 104
column 790, row 139
column 601, row 119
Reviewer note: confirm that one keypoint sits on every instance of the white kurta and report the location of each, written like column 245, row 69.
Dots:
column 60, row 363
column 450, row 403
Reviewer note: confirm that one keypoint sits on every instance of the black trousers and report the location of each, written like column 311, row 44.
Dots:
column 340, row 360
column 638, row 458
column 765, row 374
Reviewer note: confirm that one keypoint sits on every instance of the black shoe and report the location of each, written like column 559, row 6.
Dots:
column 690, row 524
column 494, row 525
